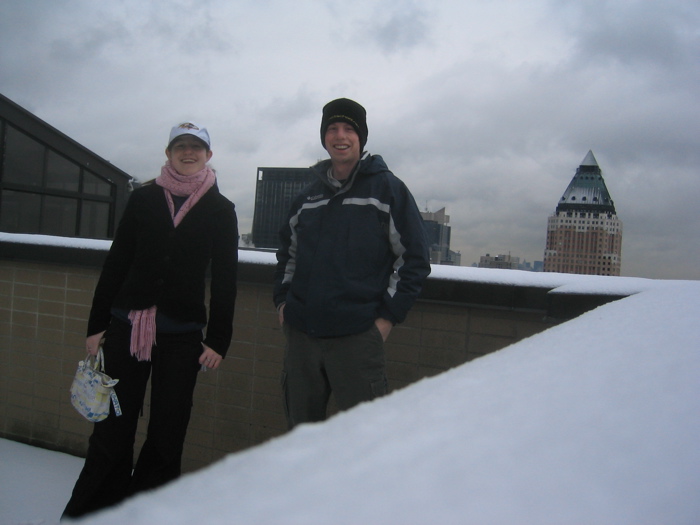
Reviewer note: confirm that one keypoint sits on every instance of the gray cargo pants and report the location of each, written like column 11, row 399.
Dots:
column 352, row 367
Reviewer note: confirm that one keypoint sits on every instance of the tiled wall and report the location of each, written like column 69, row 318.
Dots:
column 43, row 309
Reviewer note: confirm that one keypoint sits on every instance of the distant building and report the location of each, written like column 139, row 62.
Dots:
column 274, row 191
column 438, row 233
column 507, row 262
column 51, row 185
column 527, row 266
column 502, row 262
column 584, row 235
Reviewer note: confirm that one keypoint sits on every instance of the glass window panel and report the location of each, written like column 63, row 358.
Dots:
column 24, row 159
column 94, row 220
column 61, row 174
column 94, row 185
column 20, row 212
column 60, row 215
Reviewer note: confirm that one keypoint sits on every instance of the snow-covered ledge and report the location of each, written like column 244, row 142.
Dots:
column 561, row 296
column 592, row 421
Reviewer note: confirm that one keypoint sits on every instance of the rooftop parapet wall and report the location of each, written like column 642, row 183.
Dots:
column 46, row 286
column 483, row 287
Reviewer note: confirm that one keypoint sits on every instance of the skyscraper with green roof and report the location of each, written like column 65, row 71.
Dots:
column 584, row 235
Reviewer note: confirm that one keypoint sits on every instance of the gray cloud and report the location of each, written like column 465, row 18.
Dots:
column 662, row 35
column 402, row 26
column 483, row 108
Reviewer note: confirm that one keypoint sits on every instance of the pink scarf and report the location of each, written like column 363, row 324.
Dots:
column 143, row 332
column 191, row 186
column 143, row 322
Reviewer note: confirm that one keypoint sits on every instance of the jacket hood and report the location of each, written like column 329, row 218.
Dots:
column 368, row 165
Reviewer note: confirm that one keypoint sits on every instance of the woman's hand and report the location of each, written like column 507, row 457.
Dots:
column 92, row 343
column 210, row 358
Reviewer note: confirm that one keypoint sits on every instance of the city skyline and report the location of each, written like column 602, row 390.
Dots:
column 482, row 108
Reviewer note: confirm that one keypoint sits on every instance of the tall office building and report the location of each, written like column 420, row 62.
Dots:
column 438, row 232
column 584, row 235
column 274, row 191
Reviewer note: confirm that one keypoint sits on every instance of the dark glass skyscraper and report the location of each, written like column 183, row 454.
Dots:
column 274, row 191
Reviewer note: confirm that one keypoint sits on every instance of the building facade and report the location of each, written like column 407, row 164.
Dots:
column 501, row 262
column 51, row 185
column 274, row 191
column 584, row 235
column 438, row 232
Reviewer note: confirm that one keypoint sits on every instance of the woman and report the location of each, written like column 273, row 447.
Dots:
column 149, row 306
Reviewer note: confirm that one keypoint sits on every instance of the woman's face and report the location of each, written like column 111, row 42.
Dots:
column 188, row 155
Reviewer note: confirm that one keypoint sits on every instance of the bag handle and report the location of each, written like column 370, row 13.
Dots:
column 99, row 360
column 115, row 402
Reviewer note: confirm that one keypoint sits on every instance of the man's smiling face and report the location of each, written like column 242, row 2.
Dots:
column 342, row 143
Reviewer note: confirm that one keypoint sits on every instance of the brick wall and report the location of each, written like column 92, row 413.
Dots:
column 43, row 308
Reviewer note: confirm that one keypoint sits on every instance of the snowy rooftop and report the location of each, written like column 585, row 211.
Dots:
column 557, row 282
column 594, row 421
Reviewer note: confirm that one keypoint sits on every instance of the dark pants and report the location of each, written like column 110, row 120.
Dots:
column 107, row 477
column 352, row 367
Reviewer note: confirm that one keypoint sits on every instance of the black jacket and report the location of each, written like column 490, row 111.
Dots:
column 151, row 263
column 351, row 255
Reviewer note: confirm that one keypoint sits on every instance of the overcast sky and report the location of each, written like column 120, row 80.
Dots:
column 485, row 108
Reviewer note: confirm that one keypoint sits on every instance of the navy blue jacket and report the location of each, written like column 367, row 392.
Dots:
column 151, row 263
column 351, row 255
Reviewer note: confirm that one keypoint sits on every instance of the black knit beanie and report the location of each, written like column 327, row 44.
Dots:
column 345, row 110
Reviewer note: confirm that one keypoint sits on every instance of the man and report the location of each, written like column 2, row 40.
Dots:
column 352, row 261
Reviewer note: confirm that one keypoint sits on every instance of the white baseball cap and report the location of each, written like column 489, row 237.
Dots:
column 190, row 128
